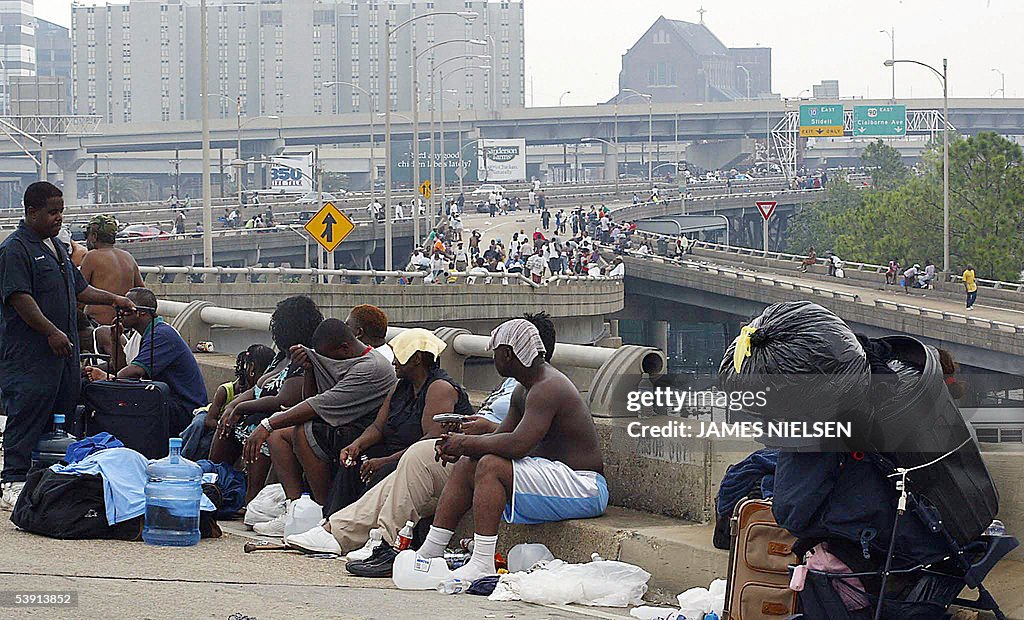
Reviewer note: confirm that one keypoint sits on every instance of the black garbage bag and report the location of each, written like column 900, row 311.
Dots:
column 806, row 360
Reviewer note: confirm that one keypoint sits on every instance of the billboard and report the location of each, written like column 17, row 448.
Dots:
column 502, row 160
column 453, row 164
column 292, row 173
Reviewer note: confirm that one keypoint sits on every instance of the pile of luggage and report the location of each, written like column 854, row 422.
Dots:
column 892, row 521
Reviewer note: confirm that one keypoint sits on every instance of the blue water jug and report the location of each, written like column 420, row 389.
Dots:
column 172, row 500
column 51, row 447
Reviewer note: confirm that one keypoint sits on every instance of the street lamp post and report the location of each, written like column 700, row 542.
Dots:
column 650, row 132
column 747, row 73
column 614, row 145
column 1002, row 77
column 416, row 118
column 891, row 33
column 565, row 147
column 373, row 133
column 944, row 78
column 469, row 16
column 204, row 73
column 433, row 69
column 239, row 163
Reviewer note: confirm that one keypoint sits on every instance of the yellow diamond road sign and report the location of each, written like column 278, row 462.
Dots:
column 329, row 226
column 425, row 189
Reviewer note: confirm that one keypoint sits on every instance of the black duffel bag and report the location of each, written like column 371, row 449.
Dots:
column 69, row 506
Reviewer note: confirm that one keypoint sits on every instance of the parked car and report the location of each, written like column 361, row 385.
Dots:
column 302, row 217
column 311, row 198
column 487, row 188
column 141, row 231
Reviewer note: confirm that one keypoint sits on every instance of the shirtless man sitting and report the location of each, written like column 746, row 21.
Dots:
column 107, row 267
column 543, row 464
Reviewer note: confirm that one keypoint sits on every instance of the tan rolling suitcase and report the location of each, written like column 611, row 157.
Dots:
column 757, row 586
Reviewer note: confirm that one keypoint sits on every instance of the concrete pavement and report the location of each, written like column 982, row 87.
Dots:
column 216, row 579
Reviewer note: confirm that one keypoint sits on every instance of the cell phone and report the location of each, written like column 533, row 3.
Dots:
column 449, row 418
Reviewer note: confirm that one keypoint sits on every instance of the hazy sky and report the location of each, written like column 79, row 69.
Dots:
column 576, row 45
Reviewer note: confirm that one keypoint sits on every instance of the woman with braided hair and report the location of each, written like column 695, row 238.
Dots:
column 293, row 322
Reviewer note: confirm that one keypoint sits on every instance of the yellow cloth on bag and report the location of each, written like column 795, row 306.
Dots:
column 742, row 350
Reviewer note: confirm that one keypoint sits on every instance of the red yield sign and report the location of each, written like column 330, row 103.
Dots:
column 766, row 208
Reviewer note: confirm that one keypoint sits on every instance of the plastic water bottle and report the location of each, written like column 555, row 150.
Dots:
column 454, row 586
column 51, row 447
column 364, row 552
column 303, row 515
column 172, row 500
column 411, row 572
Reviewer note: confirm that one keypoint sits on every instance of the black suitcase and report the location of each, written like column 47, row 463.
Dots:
column 136, row 411
column 133, row 410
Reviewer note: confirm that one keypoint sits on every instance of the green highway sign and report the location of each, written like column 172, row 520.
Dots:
column 821, row 121
column 880, row 120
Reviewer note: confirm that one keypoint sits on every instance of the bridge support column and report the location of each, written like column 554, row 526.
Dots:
column 659, row 335
column 611, row 161
column 69, row 162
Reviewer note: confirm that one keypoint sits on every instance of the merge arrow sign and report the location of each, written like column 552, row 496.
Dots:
column 328, row 234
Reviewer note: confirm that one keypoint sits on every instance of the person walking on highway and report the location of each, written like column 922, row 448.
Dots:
column 532, row 200
column 971, row 286
column 545, row 218
column 179, row 223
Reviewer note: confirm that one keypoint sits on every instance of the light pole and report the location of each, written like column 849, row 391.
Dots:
column 239, row 164
column 469, row 16
column 1002, row 77
column 204, row 72
column 565, row 147
column 416, row 118
column 615, row 146
column 650, row 132
column 433, row 69
column 747, row 73
column 491, row 85
column 944, row 78
column 373, row 133
column 891, row 33
column 562, row 96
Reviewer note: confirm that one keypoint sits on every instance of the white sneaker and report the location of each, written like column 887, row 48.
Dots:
column 273, row 528
column 367, row 550
column 9, row 493
column 316, row 540
column 254, row 517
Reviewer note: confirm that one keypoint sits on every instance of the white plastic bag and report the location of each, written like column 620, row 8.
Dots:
column 653, row 613
column 524, row 555
column 717, row 592
column 268, row 504
column 694, row 603
column 603, row 584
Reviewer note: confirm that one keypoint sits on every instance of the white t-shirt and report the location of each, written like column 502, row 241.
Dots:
column 618, row 271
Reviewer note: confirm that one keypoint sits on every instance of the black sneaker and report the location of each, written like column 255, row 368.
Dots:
column 377, row 565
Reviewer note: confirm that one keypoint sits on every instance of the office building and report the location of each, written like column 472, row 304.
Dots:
column 677, row 61
column 827, row 89
column 140, row 61
column 17, row 45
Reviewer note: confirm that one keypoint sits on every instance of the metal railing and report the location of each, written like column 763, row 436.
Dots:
column 494, row 277
column 756, row 278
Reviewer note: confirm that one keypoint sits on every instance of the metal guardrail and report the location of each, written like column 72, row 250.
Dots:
column 1000, row 326
column 255, row 273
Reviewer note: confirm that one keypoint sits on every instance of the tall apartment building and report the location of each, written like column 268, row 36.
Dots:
column 141, row 61
column 17, row 45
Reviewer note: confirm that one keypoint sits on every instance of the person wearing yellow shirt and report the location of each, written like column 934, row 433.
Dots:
column 971, row 286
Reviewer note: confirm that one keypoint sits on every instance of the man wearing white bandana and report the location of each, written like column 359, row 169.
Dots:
column 543, row 464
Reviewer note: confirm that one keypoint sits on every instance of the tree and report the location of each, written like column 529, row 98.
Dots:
column 886, row 166
column 814, row 224
column 123, row 189
column 901, row 217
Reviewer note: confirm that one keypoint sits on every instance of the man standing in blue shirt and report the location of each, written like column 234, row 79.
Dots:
column 163, row 356
column 39, row 369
